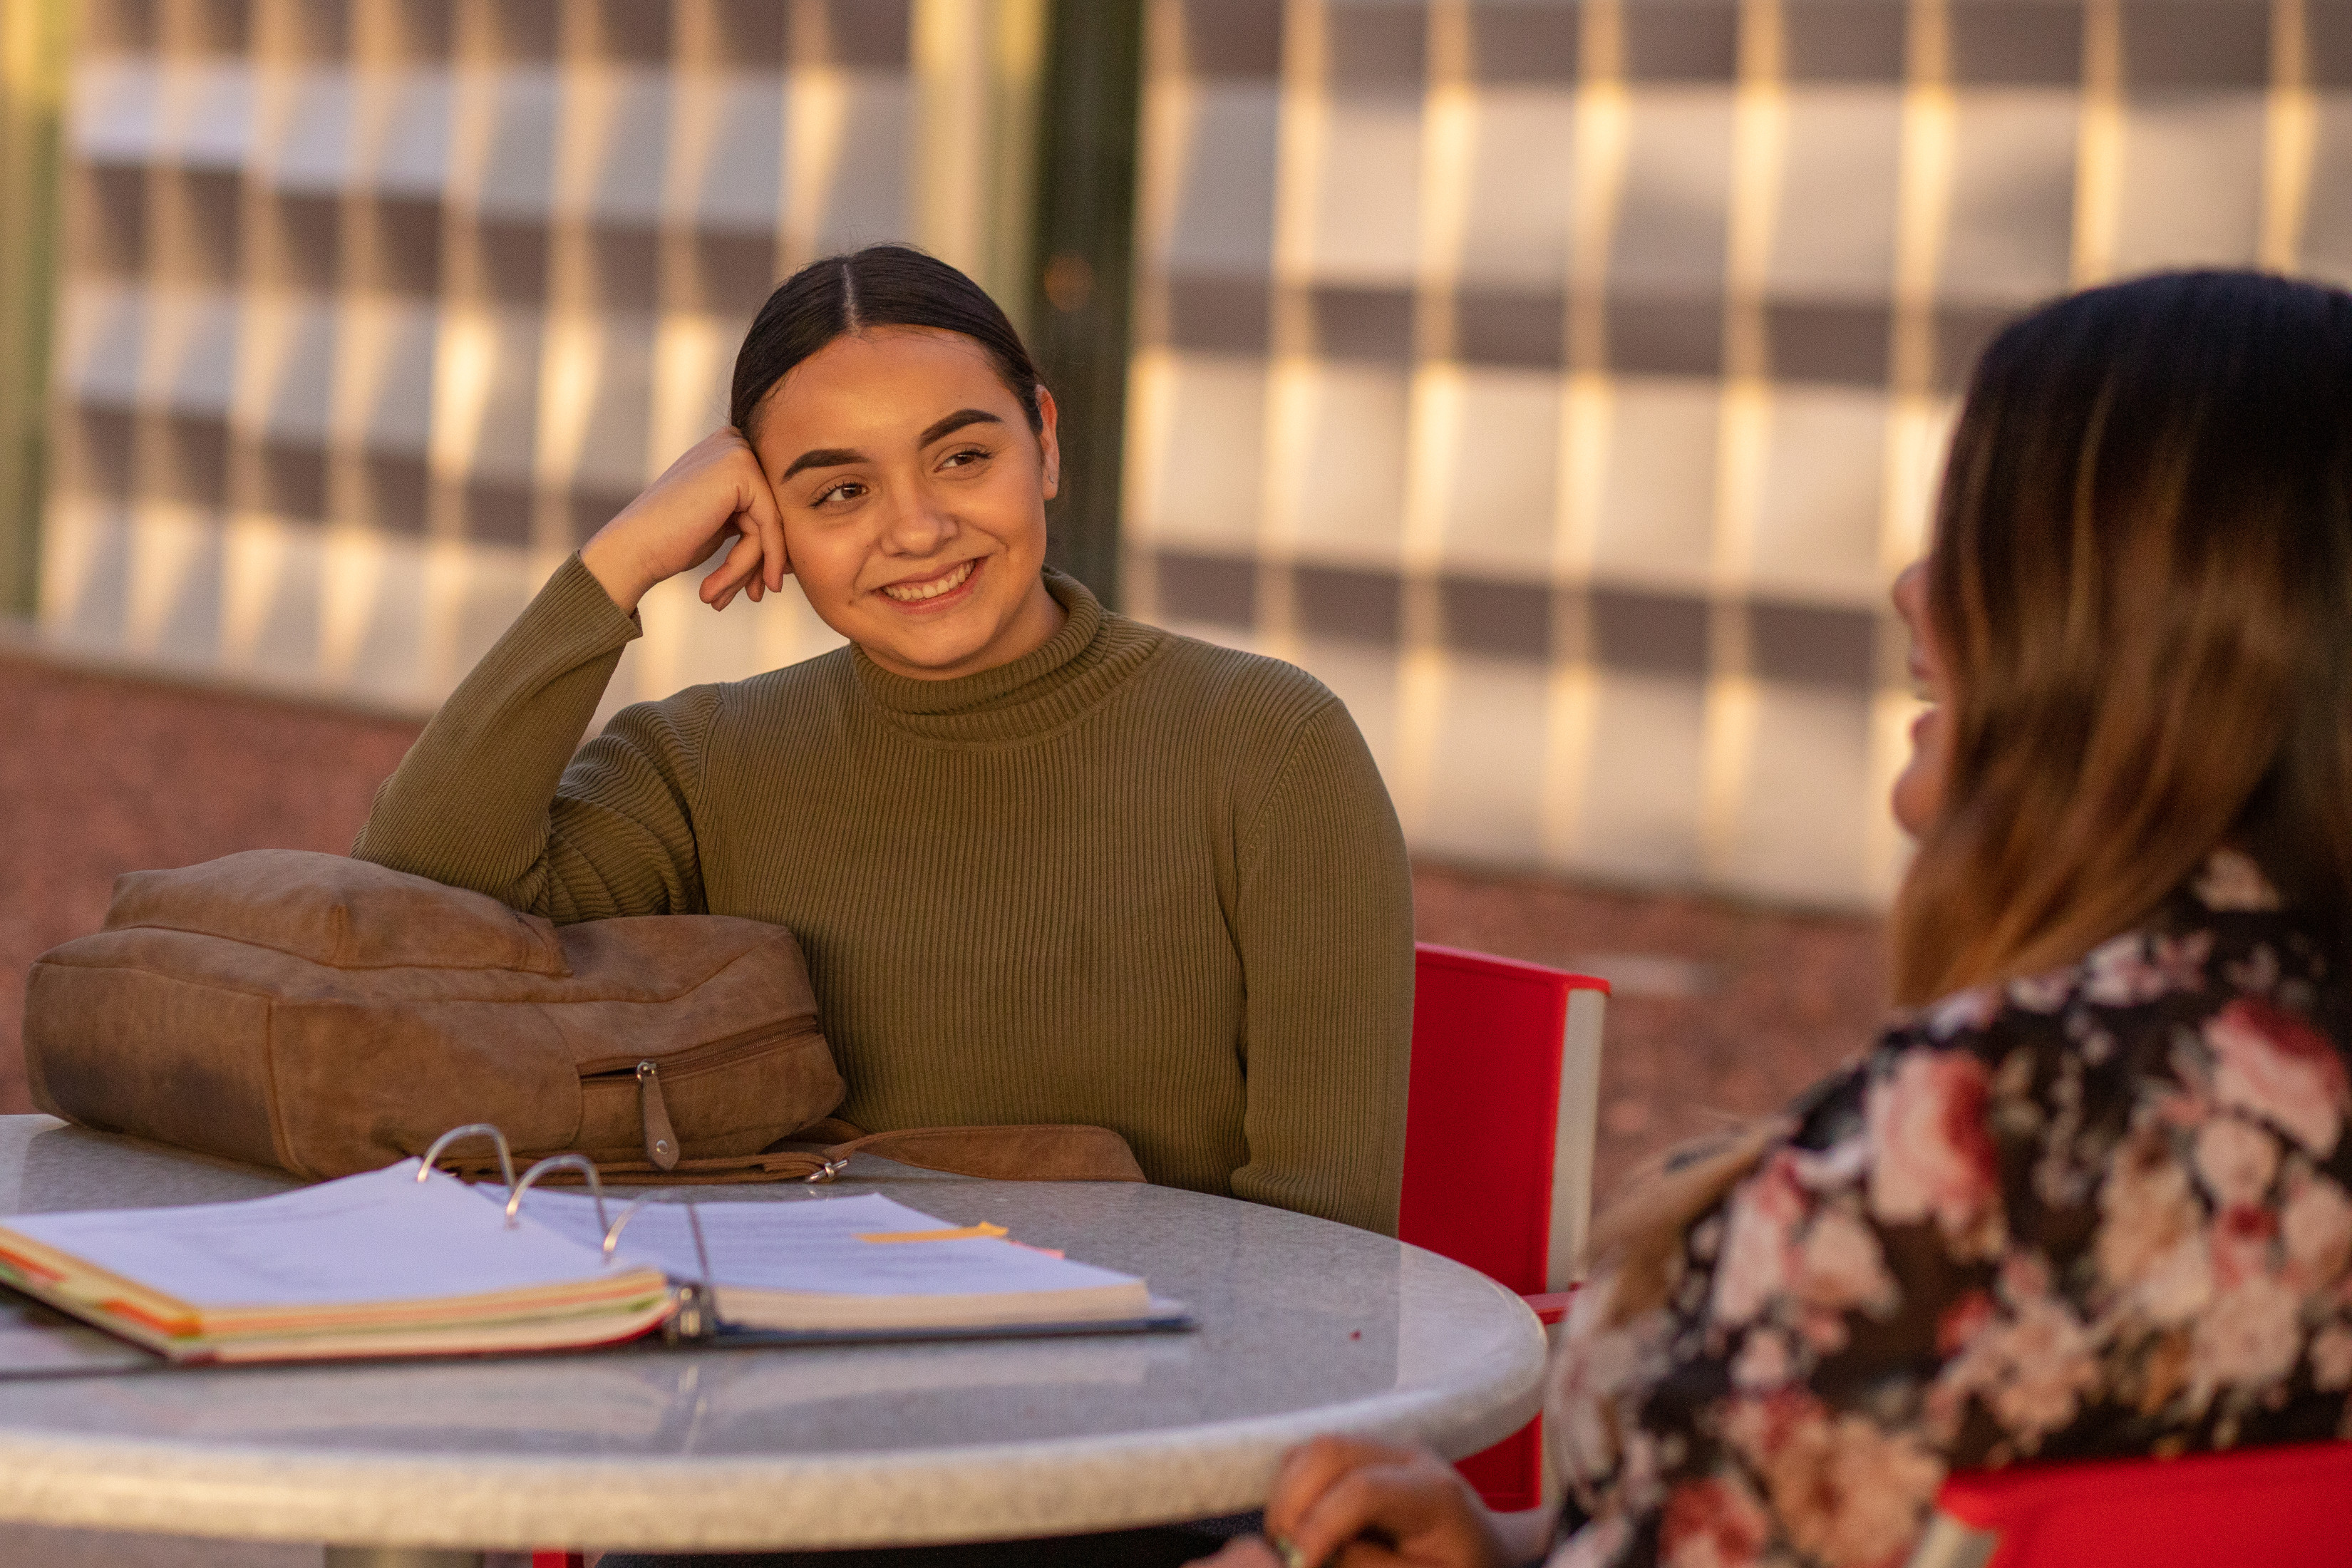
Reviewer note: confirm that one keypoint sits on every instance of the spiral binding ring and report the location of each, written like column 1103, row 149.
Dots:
column 693, row 1223
column 472, row 1130
column 579, row 1163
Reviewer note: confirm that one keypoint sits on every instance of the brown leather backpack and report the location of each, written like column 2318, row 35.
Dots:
column 328, row 1015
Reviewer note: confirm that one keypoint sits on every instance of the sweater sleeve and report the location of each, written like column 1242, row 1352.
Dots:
column 491, row 796
column 1324, row 921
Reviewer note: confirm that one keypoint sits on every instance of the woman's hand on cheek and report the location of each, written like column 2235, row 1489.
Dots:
column 715, row 492
column 1350, row 1504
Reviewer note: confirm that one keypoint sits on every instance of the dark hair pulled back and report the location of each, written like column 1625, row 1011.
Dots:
column 880, row 286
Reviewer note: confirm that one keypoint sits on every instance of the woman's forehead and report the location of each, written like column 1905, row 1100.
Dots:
column 877, row 381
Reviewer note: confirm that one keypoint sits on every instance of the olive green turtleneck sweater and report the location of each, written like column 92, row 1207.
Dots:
column 1130, row 879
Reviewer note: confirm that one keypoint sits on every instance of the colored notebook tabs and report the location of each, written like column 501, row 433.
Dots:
column 855, row 1266
column 381, row 1264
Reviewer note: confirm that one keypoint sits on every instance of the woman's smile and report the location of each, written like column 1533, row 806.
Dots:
column 924, row 594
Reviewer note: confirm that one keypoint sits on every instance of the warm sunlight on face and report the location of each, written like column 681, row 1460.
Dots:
column 1918, row 795
column 913, row 496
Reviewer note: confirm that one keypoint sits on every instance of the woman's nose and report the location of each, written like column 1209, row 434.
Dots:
column 916, row 525
column 1911, row 591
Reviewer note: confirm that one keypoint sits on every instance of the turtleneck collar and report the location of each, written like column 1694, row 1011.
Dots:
column 1069, row 672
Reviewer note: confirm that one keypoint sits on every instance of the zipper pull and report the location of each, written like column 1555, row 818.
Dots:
column 661, row 1142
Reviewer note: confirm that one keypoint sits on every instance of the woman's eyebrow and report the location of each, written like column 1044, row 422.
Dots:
column 957, row 421
column 824, row 457
column 843, row 456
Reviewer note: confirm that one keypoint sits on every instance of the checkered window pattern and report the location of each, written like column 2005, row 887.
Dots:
column 1559, row 380
column 1564, row 382
column 374, row 309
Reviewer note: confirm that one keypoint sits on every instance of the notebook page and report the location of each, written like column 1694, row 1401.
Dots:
column 378, row 1237
column 811, row 1244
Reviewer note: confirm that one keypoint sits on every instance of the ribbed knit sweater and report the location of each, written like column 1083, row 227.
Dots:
column 1130, row 879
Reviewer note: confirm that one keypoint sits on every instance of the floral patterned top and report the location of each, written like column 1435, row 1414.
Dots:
column 2100, row 1212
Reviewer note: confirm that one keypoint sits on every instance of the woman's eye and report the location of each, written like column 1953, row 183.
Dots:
column 964, row 457
column 847, row 490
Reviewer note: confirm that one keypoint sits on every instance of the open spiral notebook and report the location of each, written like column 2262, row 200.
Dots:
column 406, row 1261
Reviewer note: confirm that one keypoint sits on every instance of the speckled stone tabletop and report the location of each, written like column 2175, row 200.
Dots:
column 1305, row 1327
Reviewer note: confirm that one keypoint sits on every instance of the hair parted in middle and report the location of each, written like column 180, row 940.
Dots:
column 879, row 286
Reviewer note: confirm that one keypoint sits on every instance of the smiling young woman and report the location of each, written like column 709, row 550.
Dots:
column 1047, row 864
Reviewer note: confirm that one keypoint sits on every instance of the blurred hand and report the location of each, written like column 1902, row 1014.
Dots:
column 715, row 491
column 1341, row 1503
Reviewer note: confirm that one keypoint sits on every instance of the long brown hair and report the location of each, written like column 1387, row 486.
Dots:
column 2141, row 581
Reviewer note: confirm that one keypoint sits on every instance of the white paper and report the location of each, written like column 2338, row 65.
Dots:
column 379, row 1237
column 811, row 1245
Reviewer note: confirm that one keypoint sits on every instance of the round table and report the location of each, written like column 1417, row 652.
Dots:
column 1306, row 1327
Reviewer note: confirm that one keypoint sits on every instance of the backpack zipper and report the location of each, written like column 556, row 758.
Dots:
column 661, row 1140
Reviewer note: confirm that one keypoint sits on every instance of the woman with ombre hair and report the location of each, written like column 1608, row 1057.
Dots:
column 2090, row 1195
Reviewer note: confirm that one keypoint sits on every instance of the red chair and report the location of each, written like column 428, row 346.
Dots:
column 1505, row 1088
column 2263, row 1507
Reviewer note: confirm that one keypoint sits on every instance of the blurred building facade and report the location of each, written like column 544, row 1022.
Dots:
column 374, row 308
column 1560, row 382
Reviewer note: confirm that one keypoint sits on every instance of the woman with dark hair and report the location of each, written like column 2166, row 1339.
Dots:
column 2090, row 1195
column 1047, row 864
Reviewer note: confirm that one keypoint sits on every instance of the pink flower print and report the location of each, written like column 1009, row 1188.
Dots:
column 2248, row 1338
column 1969, row 1009
column 2240, row 1239
column 2236, row 1160
column 1764, row 1362
column 2232, row 881
column 2043, row 993
column 2133, row 969
column 1713, row 1523
column 1758, row 1256
column 1932, row 1156
column 1961, row 1322
column 1760, row 1427
column 1839, row 1268
column 2149, row 1222
column 2028, row 1368
column 2273, row 1065
column 2044, row 1361
column 1847, row 1491
column 1841, row 1164
column 2178, row 1283
column 2024, row 1277
column 2331, row 1358
column 2316, row 1226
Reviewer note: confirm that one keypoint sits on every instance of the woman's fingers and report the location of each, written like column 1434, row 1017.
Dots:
column 714, row 493
column 1366, row 1504
column 739, row 569
column 1382, row 1499
column 1311, row 1469
column 757, row 564
column 764, row 519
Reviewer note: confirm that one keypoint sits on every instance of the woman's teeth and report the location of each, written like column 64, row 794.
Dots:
column 946, row 582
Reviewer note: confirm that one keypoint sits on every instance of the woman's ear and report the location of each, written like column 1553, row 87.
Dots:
column 1049, row 443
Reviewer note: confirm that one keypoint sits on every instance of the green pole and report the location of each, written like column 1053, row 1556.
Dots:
column 1083, row 272
column 33, row 49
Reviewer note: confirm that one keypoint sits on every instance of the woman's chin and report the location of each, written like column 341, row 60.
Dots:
column 936, row 646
